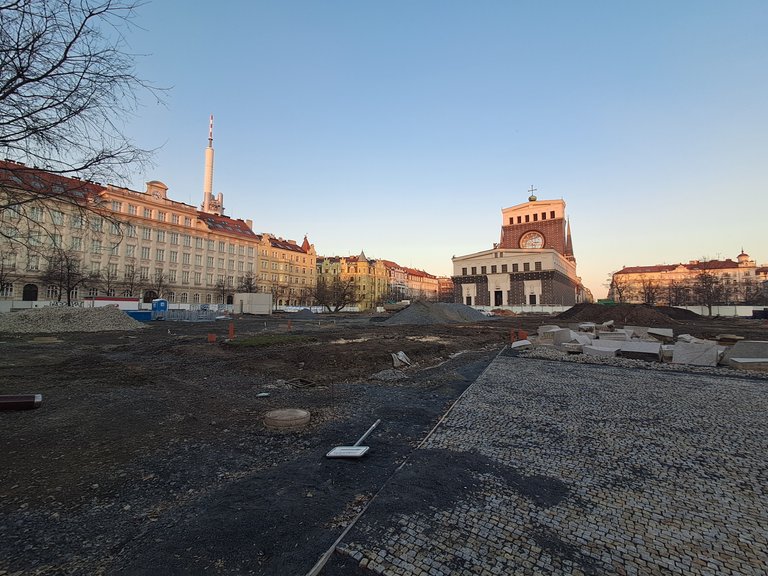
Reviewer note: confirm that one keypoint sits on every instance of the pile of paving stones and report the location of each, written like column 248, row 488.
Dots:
column 424, row 313
column 55, row 319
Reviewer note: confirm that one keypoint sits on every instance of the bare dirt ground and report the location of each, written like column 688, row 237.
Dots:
column 149, row 454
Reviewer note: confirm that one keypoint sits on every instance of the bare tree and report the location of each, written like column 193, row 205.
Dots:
column 707, row 288
column 247, row 283
column 336, row 294
column 132, row 283
column 64, row 271
column 109, row 280
column 677, row 293
column 7, row 270
column 158, row 283
column 222, row 290
column 67, row 84
column 620, row 288
column 649, row 290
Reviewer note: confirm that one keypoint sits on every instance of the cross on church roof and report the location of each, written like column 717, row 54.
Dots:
column 532, row 197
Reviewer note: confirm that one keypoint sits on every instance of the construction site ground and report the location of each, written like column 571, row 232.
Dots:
column 149, row 454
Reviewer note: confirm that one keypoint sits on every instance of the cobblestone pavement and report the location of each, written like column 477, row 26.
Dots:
column 553, row 468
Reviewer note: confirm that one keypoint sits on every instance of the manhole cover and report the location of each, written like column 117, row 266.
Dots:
column 287, row 419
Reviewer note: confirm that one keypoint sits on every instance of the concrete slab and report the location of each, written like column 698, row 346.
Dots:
column 747, row 349
column 663, row 334
column 573, row 347
column 696, row 353
column 641, row 350
column 615, row 335
column 583, row 339
column 638, row 331
column 521, row 345
column 755, row 364
column 609, row 344
column 667, row 352
column 587, row 327
column 562, row 336
column 595, row 351
column 728, row 339
column 547, row 328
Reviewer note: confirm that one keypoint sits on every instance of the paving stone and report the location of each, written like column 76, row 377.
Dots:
column 698, row 353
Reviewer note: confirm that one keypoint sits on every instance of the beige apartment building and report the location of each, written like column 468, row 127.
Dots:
column 139, row 244
column 739, row 281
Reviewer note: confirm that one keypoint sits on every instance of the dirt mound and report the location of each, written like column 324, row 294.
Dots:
column 304, row 314
column 53, row 320
column 621, row 314
column 423, row 313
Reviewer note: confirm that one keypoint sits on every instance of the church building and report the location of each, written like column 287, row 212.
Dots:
column 532, row 264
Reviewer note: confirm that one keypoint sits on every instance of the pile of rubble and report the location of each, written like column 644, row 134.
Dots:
column 425, row 313
column 650, row 344
column 56, row 319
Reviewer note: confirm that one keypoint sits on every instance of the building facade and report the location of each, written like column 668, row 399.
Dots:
column 121, row 242
column 532, row 264
column 733, row 282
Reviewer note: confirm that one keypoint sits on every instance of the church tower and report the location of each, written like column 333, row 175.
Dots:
column 210, row 204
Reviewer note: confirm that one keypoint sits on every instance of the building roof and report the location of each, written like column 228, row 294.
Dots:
column 691, row 266
column 226, row 225
column 41, row 182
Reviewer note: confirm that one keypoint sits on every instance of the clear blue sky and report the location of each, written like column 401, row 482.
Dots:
column 403, row 128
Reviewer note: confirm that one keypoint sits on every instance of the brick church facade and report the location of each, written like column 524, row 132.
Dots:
column 532, row 264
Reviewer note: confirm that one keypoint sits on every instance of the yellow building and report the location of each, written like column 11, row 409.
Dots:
column 369, row 277
column 138, row 244
column 740, row 281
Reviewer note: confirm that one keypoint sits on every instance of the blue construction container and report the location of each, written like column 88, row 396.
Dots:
column 140, row 315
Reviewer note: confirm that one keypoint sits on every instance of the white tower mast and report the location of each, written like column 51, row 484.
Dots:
column 208, row 179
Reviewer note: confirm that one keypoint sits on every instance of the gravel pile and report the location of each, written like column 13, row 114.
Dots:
column 548, row 353
column 52, row 320
column 423, row 313
column 636, row 314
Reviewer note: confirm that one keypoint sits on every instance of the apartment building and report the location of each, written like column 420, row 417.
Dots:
column 120, row 242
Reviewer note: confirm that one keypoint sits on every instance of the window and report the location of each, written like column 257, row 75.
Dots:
column 515, row 268
column 173, row 256
column 184, row 277
column 209, row 279
column 264, row 264
column 209, row 261
column 231, row 264
column 144, row 272
column 464, row 271
column 240, row 266
column 115, row 228
column 173, row 237
column 97, row 224
column 537, row 265
column 198, row 259
column 503, row 268
column 172, row 297
column 161, row 216
column 57, row 217
column 132, row 209
column 96, row 246
column 95, row 268
column 220, row 263
column 526, row 267
column 145, row 252
column 77, row 243
column 183, row 297
column 211, row 245
column 172, row 276
column 114, row 249
column 527, row 218
column 147, row 213
column 208, row 298
column 196, row 298
column 77, row 221
column 112, row 270
column 131, row 231
column 174, row 218
column 198, row 242
column 241, row 250
column 7, row 290
column 493, row 269
column 535, row 217
column 160, row 255
column 474, row 269
column 519, row 219
column 198, row 278
column 33, row 263
column 185, row 258
column 222, row 246
column 187, row 221
column 129, row 271
column 36, row 214
column 552, row 214
column 160, row 235
column 130, row 251
column 52, row 293
column 146, row 234
column 250, row 251
column 483, row 270
column 231, row 248
column 117, row 206
column 93, row 292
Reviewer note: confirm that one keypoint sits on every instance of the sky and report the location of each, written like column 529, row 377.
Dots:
column 403, row 128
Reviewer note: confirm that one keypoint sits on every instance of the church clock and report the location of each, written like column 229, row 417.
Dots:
column 532, row 240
